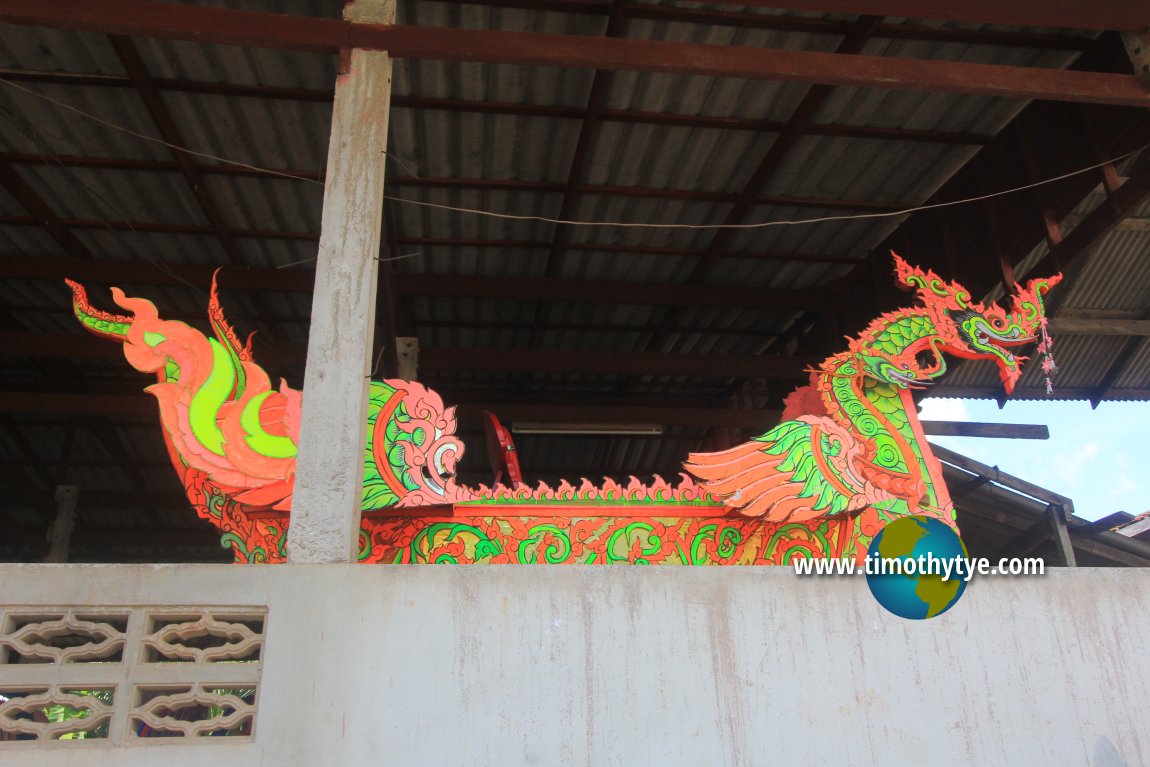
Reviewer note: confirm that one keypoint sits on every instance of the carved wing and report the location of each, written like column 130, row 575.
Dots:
column 799, row 470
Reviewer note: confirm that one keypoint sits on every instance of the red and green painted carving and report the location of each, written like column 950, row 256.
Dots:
column 848, row 457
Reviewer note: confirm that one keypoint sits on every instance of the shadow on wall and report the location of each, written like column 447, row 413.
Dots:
column 1106, row 754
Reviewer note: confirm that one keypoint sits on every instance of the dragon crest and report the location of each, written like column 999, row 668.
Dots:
column 851, row 439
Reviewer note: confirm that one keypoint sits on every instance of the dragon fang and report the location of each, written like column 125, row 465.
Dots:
column 848, row 457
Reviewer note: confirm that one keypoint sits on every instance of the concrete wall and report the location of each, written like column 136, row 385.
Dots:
column 507, row 665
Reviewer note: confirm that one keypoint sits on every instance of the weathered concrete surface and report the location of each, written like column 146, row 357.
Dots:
column 575, row 665
column 329, row 482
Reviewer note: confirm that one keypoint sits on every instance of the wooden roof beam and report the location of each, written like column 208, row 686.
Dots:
column 802, row 116
column 621, row 363
column 270, row 30
column 39, row 402
column 603, row 247
column 463, row 359
column 595, row 99
column 137, row 71
column 1129, row 15
column 117, row 272
column 1115, row 370
column 456, row 286
column 713, row 122
column 1121, row 203
column 430, row 182
column 928, row 9
column 595, row 291
column 41, row 212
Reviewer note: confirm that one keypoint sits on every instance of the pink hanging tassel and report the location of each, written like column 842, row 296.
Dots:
column 1046, row 349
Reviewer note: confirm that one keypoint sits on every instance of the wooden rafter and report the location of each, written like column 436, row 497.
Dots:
column 587, row 127
column 41, row 213
column 487, row 184
column 430, row 285
column 710, row 122
column 1115, row 370
column 802, row 116
column 143, row 405
column 141, row 80
column 457, row 359
column 1131, row 15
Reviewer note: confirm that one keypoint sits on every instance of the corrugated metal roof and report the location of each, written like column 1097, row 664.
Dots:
column 291, row 132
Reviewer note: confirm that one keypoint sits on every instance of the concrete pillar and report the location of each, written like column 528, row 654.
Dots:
column 60, row 534
column 408, row 355
column 329, row 471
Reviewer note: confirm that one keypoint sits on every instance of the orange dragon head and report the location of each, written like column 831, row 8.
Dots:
column 974, row 331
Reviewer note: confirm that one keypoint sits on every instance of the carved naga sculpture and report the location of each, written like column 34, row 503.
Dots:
column 851, row 439
column 225, row 425
column 849, row 456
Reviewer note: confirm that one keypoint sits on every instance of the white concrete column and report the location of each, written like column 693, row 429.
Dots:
column 329, row 467
column 60, row 534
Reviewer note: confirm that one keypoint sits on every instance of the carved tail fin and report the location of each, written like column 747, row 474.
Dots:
column 98, row 321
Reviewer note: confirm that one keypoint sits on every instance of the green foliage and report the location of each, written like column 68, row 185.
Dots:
column 61, row 713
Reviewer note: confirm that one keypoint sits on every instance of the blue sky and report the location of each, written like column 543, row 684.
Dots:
column 1099, row 458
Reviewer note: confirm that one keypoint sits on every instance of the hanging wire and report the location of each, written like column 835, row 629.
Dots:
column 573, row 222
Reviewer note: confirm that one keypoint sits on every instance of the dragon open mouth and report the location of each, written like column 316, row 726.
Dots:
column 1003, row 342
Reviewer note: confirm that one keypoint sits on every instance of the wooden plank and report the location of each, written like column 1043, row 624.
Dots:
column 119, row 272
column 1061, row 325
column 1001, row 477
column 112, row 405
column 995, row 430
column 296, row 280
column 170, row 21
column 439, row 359
column 1135, row 529
column 535, row 49
column 714, row 122
column 270, row 30
column 1131, row 15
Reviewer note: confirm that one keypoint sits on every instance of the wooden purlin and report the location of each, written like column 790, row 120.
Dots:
column 316, row 95
column 465, row 359
column 1132, row 15
column 269, row 30
column 107, row 405
column 803, row 114
column 701, row 14
column 427, row 285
